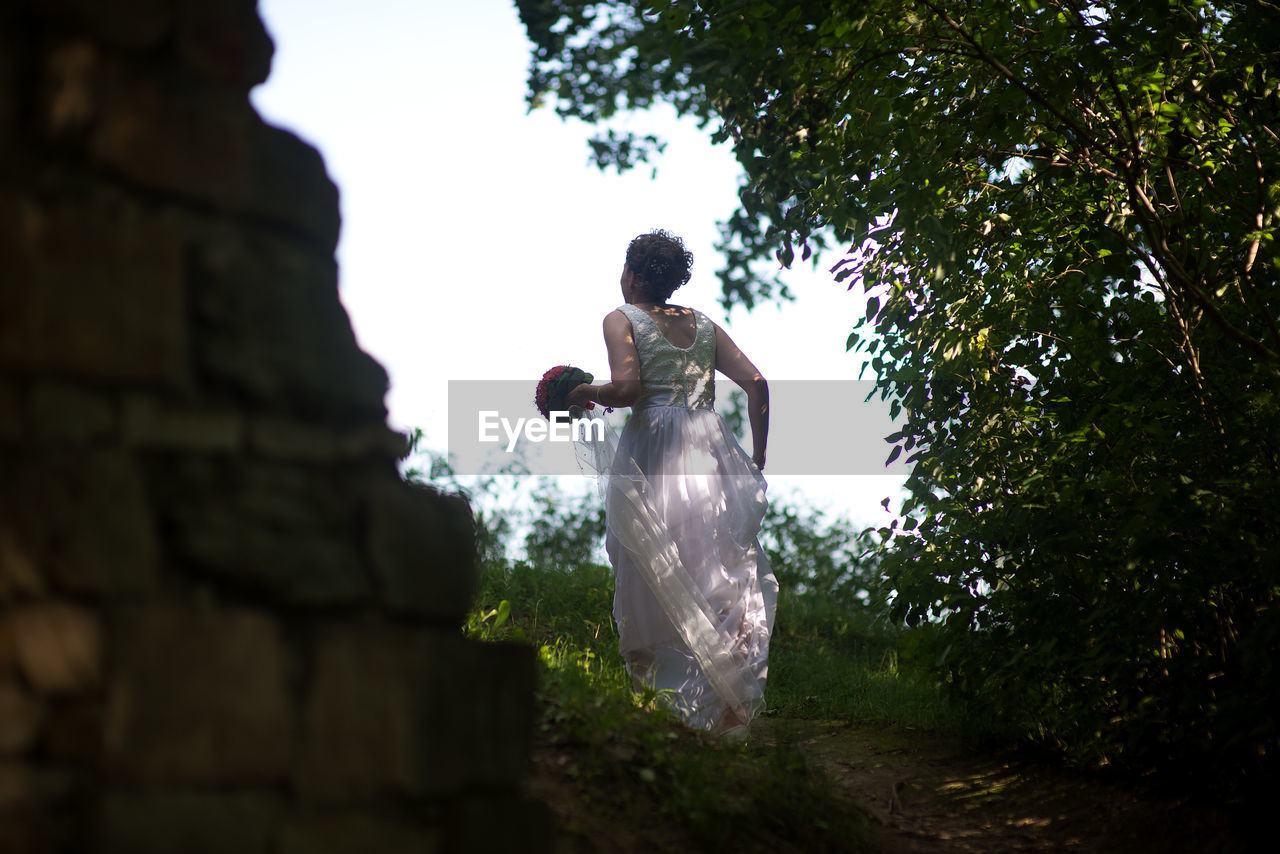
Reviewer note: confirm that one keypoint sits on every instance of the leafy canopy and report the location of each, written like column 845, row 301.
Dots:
column 1064, row 217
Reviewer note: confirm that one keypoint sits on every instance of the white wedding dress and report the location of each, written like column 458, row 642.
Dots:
column 694, row 595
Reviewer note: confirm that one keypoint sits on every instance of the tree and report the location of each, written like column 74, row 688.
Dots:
column 1064, row 215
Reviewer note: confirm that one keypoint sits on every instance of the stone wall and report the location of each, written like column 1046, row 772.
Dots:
column 226, row 625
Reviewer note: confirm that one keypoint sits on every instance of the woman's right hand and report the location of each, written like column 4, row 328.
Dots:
column 580, row 396
column 758, row 459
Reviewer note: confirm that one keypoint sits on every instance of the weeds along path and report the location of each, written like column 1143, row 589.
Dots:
column 624, row 779
column 930, row 794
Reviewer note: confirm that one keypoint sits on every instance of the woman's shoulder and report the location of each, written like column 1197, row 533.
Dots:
column 618, row 321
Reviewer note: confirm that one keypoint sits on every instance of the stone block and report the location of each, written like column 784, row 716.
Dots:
column 274, row 330
column 29, row 833
column 38, row 808
column 226, row 42
column 177, row 136
column 11, row 421
column 384, row 715
column 373, row 442
column 79, row 520
column 281, row 439
column 71, row 732
column 91, row 287
column 19, row 575
column 197, row 696
column 357, row 833
column 188, row 822
column 148, row 423
column 60, row 412
column 70, row 100
column 124, row 23
column 362, row 723
column 177, row 139
column 423, row 546
column 285, row 532
column 8, row 656
column 498, row 823
column 20, row 717
column 28, row 785
column 10, row 56
column 286, row 182
column 58, row 646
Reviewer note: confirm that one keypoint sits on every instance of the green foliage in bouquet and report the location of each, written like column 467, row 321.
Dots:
column 555, row 386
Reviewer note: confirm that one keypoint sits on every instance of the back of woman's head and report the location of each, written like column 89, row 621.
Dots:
column 660, row 263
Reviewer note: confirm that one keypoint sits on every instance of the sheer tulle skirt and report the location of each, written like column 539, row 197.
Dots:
column 694, row 595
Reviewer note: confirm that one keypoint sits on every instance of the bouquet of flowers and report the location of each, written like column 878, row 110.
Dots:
column 555, row 386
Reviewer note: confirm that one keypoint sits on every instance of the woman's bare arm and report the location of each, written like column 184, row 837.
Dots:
column 623, row 388
column 735, row 365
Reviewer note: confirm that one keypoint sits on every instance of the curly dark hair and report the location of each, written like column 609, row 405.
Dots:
column 660, row 263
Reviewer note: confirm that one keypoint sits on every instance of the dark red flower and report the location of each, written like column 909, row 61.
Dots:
column 555, row 386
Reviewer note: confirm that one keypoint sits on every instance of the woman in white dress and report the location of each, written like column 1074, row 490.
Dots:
column 694, row 596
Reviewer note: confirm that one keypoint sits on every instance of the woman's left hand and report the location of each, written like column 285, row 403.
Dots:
column 580, row 396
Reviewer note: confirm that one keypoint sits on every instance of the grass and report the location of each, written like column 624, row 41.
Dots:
column 622, row 757
column 834, row 663
column 622, row 754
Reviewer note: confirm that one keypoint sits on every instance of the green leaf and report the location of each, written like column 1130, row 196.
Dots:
column 503, row 613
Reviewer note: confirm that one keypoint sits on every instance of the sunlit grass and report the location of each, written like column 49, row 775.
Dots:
column 622, row 748
column 840, row 664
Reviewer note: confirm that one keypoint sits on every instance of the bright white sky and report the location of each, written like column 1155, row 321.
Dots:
column 478, row 242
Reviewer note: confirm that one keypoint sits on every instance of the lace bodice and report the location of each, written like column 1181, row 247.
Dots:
column 669, row 375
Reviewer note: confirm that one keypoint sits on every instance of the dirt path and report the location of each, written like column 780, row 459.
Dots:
column 932, row 795
column 928, row 794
